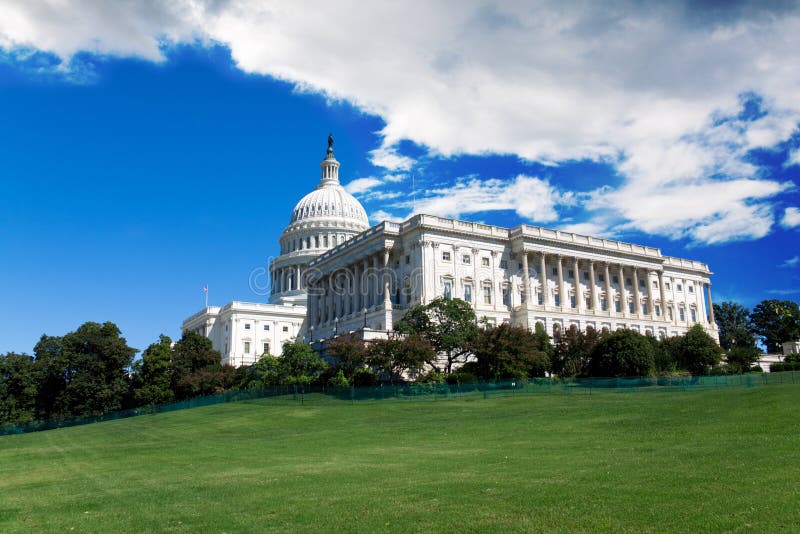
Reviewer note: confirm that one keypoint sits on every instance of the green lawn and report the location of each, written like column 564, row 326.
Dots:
column 714, row 460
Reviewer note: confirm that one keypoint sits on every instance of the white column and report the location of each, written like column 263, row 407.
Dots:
column 543, row 276
column 387, row 290
column 651, row 309
column 561, row 283
column 576, row 282
column 297, row 278
column 526, row 283
column 636, row 300
column 710, row 306
column 375, row 281
column 592, row 287
column 623, row 297
column 609, row 298
column 663, row 299
column 356, row 305
column 495, row 286
column 475, row 283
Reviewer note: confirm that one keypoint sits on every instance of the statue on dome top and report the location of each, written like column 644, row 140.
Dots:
column 330, row 143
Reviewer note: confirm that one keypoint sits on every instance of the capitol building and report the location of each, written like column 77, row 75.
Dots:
column 338, row 275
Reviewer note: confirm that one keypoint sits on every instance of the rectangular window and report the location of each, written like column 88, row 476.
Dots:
column 522, row 296
column 682, row 314
column 487, row 295
column 408, row 259
column 655, row 284
column 572, row 301
column 468, row 292
column 485, row 262
column 588, row 302
column 506, row 296
column 601, row 277
column 571, row 273
column 466, row 259
column 554, row 270
column 658, row 310
column 504, row 264
column 447, row 289
column 247, row 326
column 541, row 298
column 617, row 306
column 316, row 241
column 445, row 256
column 586, row 275
column 266, row 348
column 266, row 328
column 666, row 284
column 603, row 304
column 678, row 287
column 247, row 347
column 630, row 307
column 628, row 281
column 693, row 313
column 557, row 299
column 285, row 328
column 615, row 279
column 691, row 289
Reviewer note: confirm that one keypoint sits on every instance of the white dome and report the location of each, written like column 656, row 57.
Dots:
column 331, row 201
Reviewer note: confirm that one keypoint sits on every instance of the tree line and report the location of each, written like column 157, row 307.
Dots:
column 92, row 371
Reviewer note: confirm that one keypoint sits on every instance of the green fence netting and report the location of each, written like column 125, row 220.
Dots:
column 431, row 392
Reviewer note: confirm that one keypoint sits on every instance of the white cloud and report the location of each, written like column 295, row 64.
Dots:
column 794, row 158
column 640, row 85
column 361, row 185
column 530, row 197
column 388, row 158
column 791, row 217
column 791, row 262
column 380, row 215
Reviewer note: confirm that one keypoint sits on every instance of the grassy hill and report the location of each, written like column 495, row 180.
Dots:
column 714, row 460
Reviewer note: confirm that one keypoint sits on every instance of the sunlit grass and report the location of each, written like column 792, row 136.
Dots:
column 708, row 460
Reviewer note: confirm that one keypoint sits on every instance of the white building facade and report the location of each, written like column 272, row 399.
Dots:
column 335, row 275
column 523, row 276
column 323, row 219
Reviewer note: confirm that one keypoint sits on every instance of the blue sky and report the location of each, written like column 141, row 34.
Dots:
column 148, row 149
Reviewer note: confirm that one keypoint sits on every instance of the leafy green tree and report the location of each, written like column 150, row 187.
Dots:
column 193, row 353
column 571, row 351
column 508, row 352
column 449, row 325
column 734, row 325
column 84, row 372
column 264, row 373
column 19, row 387
column 667, row 354
column 622, row 353
column 299, row 364
column 209, row 381
column 776, row 321
column 741, row 359
column 153, row 374
column 400, row 355
column 350, row 354
column 699, row 352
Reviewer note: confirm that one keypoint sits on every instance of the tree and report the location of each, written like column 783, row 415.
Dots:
column 449, row 325
column 19, row 386
column 153, row 374
column 299, row 364
column 776, row 321
column 741, row 359
column 350, row 354
column 264, row 373
column 734, row 325
column 622, row 353
column 571, row 351
column 698, row 352
column 400, row 355
column 508, row 352
column 193, row 353
column 84, row 372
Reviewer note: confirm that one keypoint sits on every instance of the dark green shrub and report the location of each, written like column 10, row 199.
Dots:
column 622, row 353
